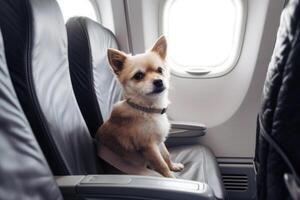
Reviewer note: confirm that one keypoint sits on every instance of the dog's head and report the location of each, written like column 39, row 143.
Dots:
column 143, row 76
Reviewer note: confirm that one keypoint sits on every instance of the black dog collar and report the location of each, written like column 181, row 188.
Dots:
column 146, row 109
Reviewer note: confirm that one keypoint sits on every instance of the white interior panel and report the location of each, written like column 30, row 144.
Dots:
column 229, row 105
column 113, row 16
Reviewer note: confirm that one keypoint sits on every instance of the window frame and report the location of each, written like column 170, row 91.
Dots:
column 208, row 72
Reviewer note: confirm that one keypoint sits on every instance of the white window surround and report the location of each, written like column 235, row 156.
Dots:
column 196, row 70
column 72, row 8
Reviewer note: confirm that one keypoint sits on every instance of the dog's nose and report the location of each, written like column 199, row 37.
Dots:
column 158, row 83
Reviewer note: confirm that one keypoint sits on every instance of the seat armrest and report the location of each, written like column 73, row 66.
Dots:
column 131, row 187
column 187, row 129
column 183, row 133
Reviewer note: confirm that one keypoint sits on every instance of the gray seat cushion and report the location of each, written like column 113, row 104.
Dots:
column 199, row 165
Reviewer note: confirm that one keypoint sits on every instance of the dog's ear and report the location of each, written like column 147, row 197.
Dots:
column 116, row 59
column 160, row 47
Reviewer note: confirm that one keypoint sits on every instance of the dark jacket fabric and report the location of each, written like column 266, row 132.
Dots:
column 280, row 113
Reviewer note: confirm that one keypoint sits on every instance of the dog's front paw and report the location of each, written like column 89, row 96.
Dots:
column 176, row 167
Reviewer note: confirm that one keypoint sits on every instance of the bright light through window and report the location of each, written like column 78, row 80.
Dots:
column 71, row 8
column 203, row 33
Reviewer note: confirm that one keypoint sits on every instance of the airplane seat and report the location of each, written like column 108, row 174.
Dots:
column 24, row 171
column 278, row 127
column 37, row 57
column 92, row 77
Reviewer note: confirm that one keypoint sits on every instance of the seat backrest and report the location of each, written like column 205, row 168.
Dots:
column 36, row 49
column 94, row 83
column 280, row 112
column 23, row 169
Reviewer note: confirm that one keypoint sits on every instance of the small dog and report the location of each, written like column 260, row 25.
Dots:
column 138, row 124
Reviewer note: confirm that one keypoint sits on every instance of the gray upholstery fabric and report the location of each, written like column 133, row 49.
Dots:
column 199, row 165
column 91, row 59
column 23, row 169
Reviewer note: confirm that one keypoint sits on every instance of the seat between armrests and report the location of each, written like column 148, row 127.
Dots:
column 131, row 187
column 183, row 133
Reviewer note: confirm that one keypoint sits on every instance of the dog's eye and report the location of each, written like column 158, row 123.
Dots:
column 138, row 76
column 160, row 70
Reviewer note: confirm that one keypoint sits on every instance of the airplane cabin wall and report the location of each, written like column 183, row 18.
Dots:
column 229, row 104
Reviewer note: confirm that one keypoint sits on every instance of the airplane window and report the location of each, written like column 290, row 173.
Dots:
column 71, row 8
column 204, row 36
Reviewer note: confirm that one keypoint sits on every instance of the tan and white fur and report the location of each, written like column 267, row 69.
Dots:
column 129, row 131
